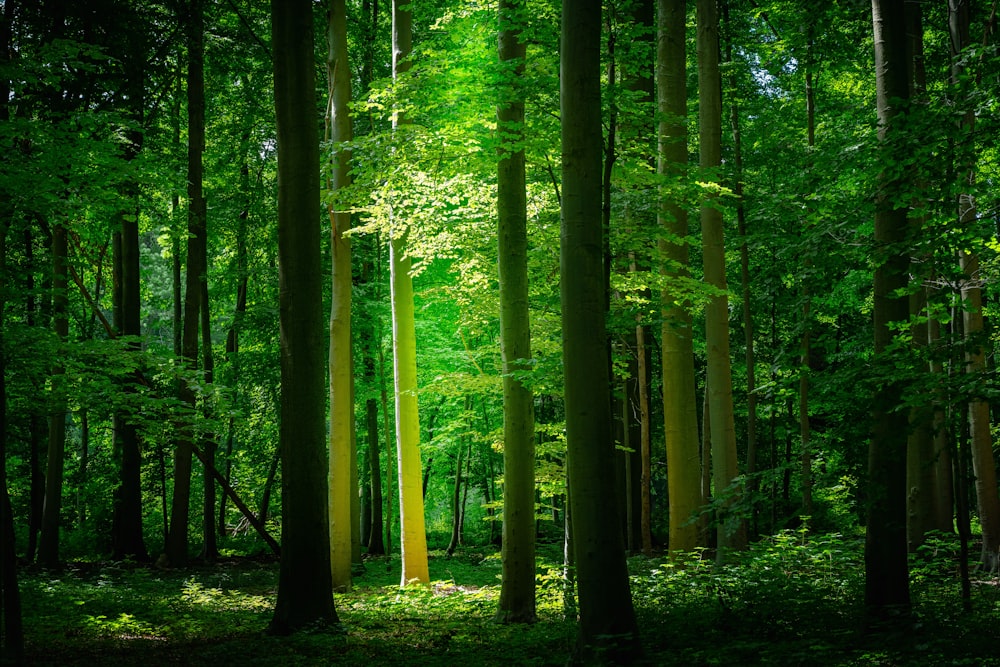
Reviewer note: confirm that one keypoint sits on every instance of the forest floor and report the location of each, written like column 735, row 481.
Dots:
column 793, row 599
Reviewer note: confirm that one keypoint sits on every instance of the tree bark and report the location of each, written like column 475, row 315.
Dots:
column 981, row 439
column 341, row 377
column 887, row 590
column 517, row 591
column 305, row 584
column 12, row 632
column 607, row 626
column 680, row 408
column 176, row 547
column 731, row 530
column 411, row 502
column 48, row 542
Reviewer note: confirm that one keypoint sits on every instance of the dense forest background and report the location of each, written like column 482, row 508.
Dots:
column 798, row 259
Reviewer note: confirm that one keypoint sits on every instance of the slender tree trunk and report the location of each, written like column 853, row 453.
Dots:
column 680, row 408
column 732, row 530
column 517, row 593
column 48, row 543
column 411, row 501
column 922, row 493
column 305, row 584
column 456, row 498
column 341, row 377
column 371, row 343
column 805, row 342
column 741, row 231
column 177, row 540
column 12, row 631
column 127, row 540
column 233, row 335
column 886, row 578
column 607, row 621
column 981, row 439
column 210, row 444
column 36, row 422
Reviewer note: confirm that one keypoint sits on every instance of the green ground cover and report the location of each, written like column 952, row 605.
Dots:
column 792, row 599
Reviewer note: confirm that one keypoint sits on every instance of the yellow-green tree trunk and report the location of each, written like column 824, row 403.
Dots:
column 731, row 531
column 680, row 407
column 413, row 538
column 341, row 378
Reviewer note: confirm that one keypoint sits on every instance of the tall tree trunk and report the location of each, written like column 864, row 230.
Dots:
column 680, row 408
column 981, row 439
column 12, row 631
column 607, row 625
column 404, row 348
column 924, row 496
column 732, row 530
column 127, row 540
column 48, row 543
column 210, row 443
column 305, row 584
column 887, row 589
column 456, row 492
column 517, row 591
column 338, row 76
column 239, row 312
column 805, row 342
column 36, row 422
column 177, row 540
column 376, row 545
column 741, row 231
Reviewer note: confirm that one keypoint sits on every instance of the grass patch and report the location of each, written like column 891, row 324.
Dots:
column 793, row 599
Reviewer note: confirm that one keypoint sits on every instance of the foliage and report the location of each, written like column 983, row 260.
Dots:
column 793, row 598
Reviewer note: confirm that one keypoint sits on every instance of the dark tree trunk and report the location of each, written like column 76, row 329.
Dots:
column 48, row 544
column 887, row 591
column 607, row 620
column 177, row 540
column 305, row 586
column 127, row 538
column 376, row 545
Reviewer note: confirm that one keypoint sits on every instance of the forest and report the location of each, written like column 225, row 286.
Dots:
column 499, row 332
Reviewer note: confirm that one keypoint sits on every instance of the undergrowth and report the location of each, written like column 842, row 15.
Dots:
column 792, row 599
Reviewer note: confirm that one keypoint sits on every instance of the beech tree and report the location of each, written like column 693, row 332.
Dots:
column 680, row 408
column 981, row 437
column 305, row 584
column 176, row 547
column 887, row 588
column 719, row 380
column 517, row 595
column 413, row 538
column 342, row 456
column 607, row 621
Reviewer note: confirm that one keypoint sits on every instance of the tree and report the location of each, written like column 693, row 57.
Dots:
column 48, row 541
column 981, row 438
column 719, row 380
column 413, row 540
column 607, row 625
column 127, row 529
column 176, row 548
column 341, row 366
column 12, row 630
column 680, row 409
column 886, row 576
column 305, row 585
column 517, row 593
